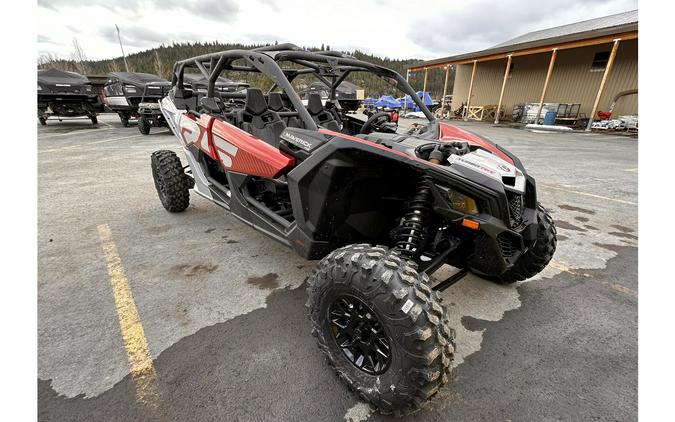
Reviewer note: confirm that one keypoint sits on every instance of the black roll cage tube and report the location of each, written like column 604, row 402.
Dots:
column 265, row 60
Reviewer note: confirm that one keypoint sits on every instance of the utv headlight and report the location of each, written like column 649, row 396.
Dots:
column 39, row 87
column 130, row 89
column 462, row 203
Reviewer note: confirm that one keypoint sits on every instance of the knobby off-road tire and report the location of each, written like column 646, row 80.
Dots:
column 171, row 182
column 416, row 324
column 143, row 126
column 538, row 256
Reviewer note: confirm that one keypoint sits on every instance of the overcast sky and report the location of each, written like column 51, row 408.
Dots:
column 393, row 28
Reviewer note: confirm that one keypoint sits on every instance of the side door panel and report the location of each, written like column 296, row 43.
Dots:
column 241, row 152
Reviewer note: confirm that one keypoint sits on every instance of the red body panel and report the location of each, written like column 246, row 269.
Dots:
column 242, row 152
column 451, row 132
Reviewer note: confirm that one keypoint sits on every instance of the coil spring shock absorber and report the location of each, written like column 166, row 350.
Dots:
column 412, row 231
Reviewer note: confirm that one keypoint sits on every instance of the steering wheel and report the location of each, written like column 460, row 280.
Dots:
column 374, row 122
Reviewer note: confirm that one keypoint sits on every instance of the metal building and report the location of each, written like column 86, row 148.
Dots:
column 588, row 62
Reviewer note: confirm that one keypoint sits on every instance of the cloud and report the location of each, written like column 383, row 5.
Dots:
column 482, row 24
column 219, row 10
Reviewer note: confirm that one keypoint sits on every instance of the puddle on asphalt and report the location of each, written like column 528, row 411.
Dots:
column 193, row 270
column 269, row 281
column 573, row 208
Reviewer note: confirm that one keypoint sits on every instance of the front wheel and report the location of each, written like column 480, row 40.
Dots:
column 171, row 182
column 538, row 256
column 381, row 327
column 94, row 119
column 43, row 121
column 143, row 126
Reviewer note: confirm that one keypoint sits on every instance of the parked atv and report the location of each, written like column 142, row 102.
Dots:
column 136, row 95
column 382, row 207
column 66, row 95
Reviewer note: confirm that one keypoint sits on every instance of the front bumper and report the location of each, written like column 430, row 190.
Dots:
column 508, row 226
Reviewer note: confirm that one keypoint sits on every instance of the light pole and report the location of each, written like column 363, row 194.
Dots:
column 126, row 65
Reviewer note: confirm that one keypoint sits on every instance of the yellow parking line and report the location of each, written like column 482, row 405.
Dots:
column 138, row 353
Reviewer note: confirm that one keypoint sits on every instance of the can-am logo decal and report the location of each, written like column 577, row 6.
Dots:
column 504, row 168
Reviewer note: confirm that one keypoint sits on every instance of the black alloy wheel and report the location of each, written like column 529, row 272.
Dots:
column 359, row 334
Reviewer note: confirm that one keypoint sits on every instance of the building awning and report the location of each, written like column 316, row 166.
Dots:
column 623, row 26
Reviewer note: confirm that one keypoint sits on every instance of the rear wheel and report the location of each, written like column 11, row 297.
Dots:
column 125, row 120
column 94, row 119
column 381, row 327
column 143, row 125
column 171, row 182
column 538, row 256
column 43, row 121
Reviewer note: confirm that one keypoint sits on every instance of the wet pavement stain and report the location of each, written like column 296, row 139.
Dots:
column 561, row 224
column 573, row 208
column 624, row 235
column 265, row 365
column 269, row 281
column 261, row 366
column 188, row 270
column 589, row 227
column 562, row 237
column 209, row 230
column 623, row 228
column 582, row 219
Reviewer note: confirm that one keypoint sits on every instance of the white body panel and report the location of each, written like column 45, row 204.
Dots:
column 492, row 166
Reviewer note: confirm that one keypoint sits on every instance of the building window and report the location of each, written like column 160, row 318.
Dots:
column 600, row 61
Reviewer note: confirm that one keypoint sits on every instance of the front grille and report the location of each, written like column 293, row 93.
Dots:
column 516, row 204
column 508, row 244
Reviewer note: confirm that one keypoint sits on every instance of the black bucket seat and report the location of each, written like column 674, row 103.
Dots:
column 257, row 120
column 319, row 114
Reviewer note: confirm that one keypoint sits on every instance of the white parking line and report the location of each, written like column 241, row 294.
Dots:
column 592, row 195
column 93, row 143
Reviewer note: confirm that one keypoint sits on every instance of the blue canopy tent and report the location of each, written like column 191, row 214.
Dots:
column 387, row 101
column 410, row 105
column 369, row 102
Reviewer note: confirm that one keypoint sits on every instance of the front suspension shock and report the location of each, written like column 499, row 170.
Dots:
column 411, row 234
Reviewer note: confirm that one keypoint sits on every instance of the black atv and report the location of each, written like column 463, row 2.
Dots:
column 383, row 207
column 136, row 95
column 66, row 95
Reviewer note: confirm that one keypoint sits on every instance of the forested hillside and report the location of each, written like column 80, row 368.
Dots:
column 160, row 61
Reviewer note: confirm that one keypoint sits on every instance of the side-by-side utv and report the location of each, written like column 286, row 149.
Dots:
column 136, row 95
column 65, row 95
column 382, row 206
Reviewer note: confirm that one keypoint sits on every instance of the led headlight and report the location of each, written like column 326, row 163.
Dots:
column 39, row 87
column 462, row 203
column 130, row 89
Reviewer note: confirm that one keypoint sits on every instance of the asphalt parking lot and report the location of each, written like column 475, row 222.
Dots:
column 223, row 336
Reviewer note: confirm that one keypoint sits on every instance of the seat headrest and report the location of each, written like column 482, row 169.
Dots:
column 255, row 101
column 274, row 102
column 314, row 104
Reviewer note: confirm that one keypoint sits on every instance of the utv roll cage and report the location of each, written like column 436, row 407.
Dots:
column 329, row 67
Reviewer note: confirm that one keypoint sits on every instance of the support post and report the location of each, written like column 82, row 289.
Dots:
column 468, row 100
column 445, row 89
column 501, row 94
column 424, row 88
column 554, row 53
column 608, row 68
column 405, row 103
